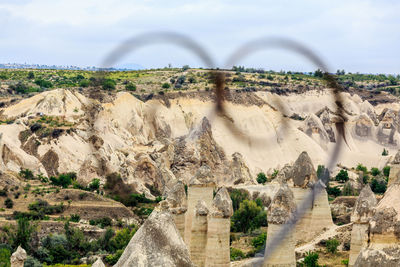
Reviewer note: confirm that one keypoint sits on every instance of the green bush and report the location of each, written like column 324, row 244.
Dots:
column 385, row 152
column 261, row 178
column 130, row 87
column 64, row 180
column 332, row 245
column 165, row 85
column 43, row 207
column 333, row 191
column 348, row 190
column 362, row 168
column 378, row 187
column 375, row 171
column 311, row 259
column 43, row 83
column 26, row 174
column 94, row 185
column 237, row 254
column 22, row 235
column 342, row 176
column 84, row 83
column 32, row 262
column 5, row 255
column 386, row 171
column 109, row 84
column 9, row 203
column 259, row 241
column 113, row 258
column 249, row 216
column 102, row 222
column 75, row 218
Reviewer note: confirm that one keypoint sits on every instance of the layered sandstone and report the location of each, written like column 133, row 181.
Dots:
column 218, row 231
column 198, row 240
column 279, row 213
column 360, row 217
column 176, row 198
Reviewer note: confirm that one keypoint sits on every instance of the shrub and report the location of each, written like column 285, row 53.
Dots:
column 386, row 171
column 311, row 259
column 95, row 184
column 64, row 180
column 385, row 152
column 378, row 187
column 9, row 203
column 345, row 262
column 342, row 176
column 43, row 83
column 75, row 218
column 375, row 171
column 32, row 262
column 362, row 168
column 259, row 241
column 43, row 207
column 333, row 191
column 192, row 80
column 165, row 85
column 261, row 178
column 332, row 245
column 130, row 87
column 237, row 254
column 102, row 222
column 109, row 84
column 185, row 67
column 26, row 174
column 23, row 234
column 5, row 255
column 122, row 238
column 31, row 75
column 113, row 258
column 84, row 83
column 249, row 216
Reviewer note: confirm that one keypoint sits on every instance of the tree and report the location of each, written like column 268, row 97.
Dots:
column 342, row 176
column 385, row 152
column 311, row 259
column 237, row 197
column 130, row 87
column 185, row 67
column 84, row 83
column 22, row 236
column 378, row 186
column 362, row 168
column 318, row 73
column 261, row 178
column 386, row 171
column 31, row 75
column 249, row 216
column 95, row 184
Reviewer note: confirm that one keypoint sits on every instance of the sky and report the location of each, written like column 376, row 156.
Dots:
column 354, row 35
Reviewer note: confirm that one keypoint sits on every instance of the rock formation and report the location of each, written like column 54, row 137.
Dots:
column 218, row 231
column 201, row 188
column 98, row 263
column 394, row 168
column 156, row 243
column 176, row 198
column 384, row 232
column 360, row 217
column 198, row 240
column 279, row 213
column 18, row 257
column 303, row 173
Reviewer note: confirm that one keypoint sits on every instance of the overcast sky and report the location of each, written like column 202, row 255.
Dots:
column 357, row 35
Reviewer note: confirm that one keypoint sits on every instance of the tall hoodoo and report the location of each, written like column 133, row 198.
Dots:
column 156, row 243
column 176, row 198
column 303, row 173
column 18, row 257
column 198, row 240
column 201, row 187
column 384, row 232
column 218, row 231
column 394, row 168
column 279, row 213
column 362, row 213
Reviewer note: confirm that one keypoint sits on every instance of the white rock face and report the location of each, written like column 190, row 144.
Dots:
column 18, row 257
column 98, row 263
column 156, row 243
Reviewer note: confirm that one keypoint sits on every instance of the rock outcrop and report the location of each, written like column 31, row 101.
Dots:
column 176, row 198
column 384, row 232
column 303, row 173
column 198, row 240
column 360, row 217
column 218, row 231
column 98, row 263
column 18, row 257
column 279, row 213
column 156, row 243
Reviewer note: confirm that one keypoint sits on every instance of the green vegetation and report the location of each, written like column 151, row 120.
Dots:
column 248, row 217
column 362, row 168
column 333, row 191
column 342, row 176
column 64, row 180
column 130, row 87
column 9, row 203
column 311, row 259
column 237, row 254
column 385, row 152
column 348, row 190
column 375, row 171
column 102, row 222
column 332, row 245
column 259, row 241
column 378, row 186
column 109, row 84
column 261, row 178
column 386, row 171
column 5, row 254
column 237, row 197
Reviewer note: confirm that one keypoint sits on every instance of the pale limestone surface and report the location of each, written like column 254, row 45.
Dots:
column 217, row 250
column 18, row 257
column 198, row 241
column 156, row 243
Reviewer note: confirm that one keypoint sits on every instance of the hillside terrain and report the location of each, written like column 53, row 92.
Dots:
column 96, row 152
